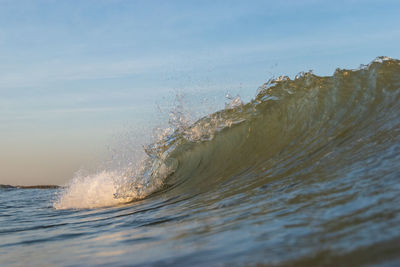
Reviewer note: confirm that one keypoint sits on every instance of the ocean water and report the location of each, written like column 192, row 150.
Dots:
column 305, row 174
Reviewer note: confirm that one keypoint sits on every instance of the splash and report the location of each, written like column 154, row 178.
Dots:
column 109, row 188
column 93, row 191
column 132, row 177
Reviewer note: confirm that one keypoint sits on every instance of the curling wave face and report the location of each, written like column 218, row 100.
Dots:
column 309, row 130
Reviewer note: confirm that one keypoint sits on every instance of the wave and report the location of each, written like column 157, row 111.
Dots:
column 301, row 128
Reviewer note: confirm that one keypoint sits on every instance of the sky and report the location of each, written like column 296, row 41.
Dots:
column 77, row 75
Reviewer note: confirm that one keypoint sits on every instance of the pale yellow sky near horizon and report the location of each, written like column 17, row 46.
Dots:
column 45, row 160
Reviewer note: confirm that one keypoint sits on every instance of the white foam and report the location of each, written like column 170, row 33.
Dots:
column 93, row 191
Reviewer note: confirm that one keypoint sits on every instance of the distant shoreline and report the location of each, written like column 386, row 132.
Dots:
column 5, row 186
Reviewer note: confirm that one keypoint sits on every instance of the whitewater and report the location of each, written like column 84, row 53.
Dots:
column 306, row 173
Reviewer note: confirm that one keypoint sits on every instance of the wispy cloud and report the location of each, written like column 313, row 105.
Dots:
column 27, row 76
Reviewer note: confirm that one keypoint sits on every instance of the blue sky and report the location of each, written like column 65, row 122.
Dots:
column 74, row 73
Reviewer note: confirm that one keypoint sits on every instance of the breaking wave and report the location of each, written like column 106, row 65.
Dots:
column 306, row 128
